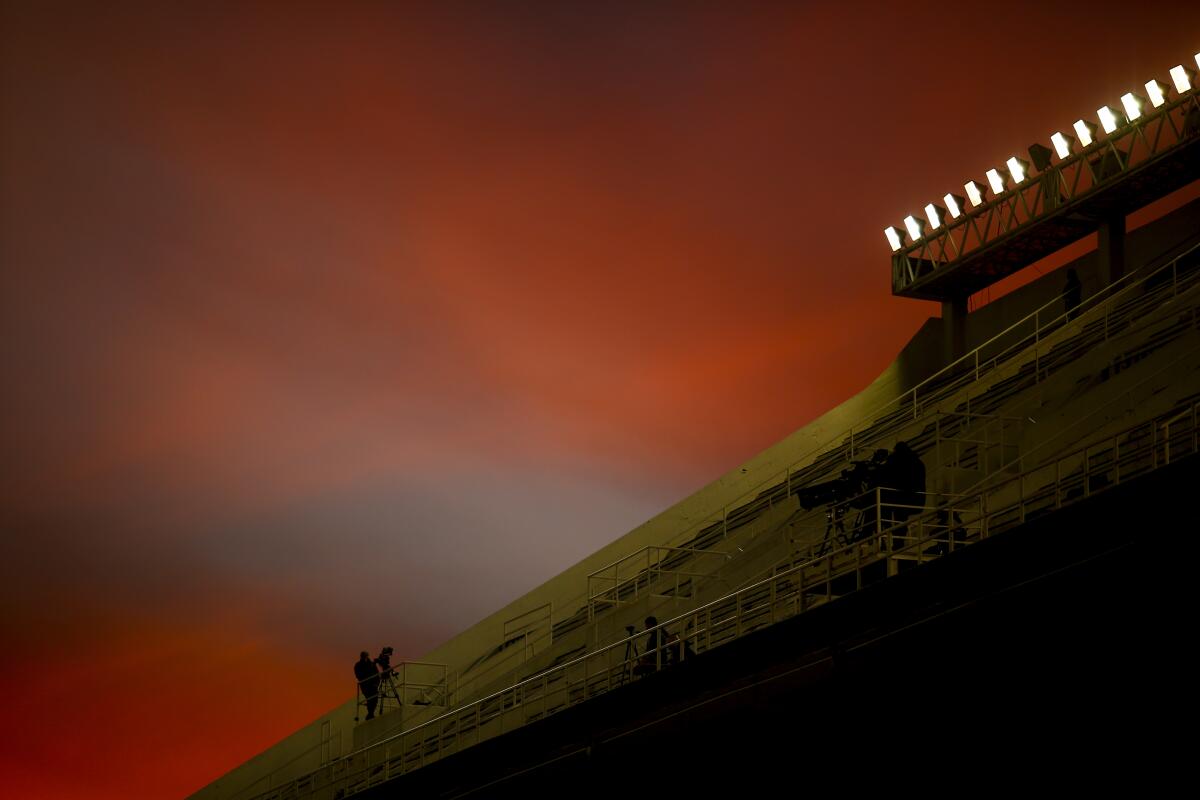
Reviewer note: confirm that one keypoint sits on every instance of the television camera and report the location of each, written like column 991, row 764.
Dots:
column 851, row 488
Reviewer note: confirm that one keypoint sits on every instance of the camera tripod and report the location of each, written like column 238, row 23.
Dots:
column 387, row 689
column 835, row 520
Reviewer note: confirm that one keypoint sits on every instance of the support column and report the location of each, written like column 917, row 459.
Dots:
column 1112, row 250
column 954, row 328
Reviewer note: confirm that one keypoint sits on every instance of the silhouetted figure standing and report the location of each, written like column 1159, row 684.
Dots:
column 905, row 475
column 367, row 675
column 1072, row 294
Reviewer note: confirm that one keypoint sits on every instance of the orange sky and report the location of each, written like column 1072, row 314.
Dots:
column 312, row 316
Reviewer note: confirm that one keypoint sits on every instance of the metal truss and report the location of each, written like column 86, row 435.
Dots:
column 1134, row 165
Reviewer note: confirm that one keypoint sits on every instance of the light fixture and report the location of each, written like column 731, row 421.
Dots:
column 1017, row 168
column 916, row 227
column 936, row 215
column 1133, row 105
column 1109, row 120
column 895, row 237
column 954, row 204
column 996, row 181
column 975, row 191
column 1040, row 155
column 1182, row 76
column 1063, row 143
column 1086, row 131
column 1156, row 90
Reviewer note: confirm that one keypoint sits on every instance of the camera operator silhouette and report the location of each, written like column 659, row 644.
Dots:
column 904, row 477
column 660, row 639
column 367, row 675
column 900, row 479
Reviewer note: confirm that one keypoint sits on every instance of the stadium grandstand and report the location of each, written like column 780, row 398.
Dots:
column 1025, row 597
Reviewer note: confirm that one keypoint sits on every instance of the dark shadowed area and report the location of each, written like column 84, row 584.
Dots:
column 326, row 326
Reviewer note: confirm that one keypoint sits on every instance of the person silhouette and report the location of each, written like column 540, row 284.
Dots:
column 367, row 675
column 904, row 475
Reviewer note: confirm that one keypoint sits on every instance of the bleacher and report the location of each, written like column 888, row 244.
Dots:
column 1120, row 380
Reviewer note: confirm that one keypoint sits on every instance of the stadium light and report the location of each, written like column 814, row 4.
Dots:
column 1109, row 120
column 1086, row 131
column 1182, row 76
column 936, row 215
column 1040, row 155
column 916, row 227
column 1018, row 168
column 996, row 181
column 1133, row 105
column 975, row 191
column 895, row 237
column 954, row 204
column 1156, row 90
column 1063, row 143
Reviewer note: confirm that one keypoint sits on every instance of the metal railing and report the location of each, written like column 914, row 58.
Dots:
column 408, row 683
column 929, row 534
column 1096, row 320
column 634, row 577
column 1100, row 317
column 1035, row 329
column 1041, row 324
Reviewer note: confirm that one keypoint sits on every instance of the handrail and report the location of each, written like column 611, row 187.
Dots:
column 1117, row 288
column 1105, row 296
column 519, row 694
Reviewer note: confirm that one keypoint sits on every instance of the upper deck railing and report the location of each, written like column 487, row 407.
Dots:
column 932, row 533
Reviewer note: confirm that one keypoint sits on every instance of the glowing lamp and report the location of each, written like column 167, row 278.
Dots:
column 936, row 216
column 916, row 227
column 1063, row 143
column 1109, row 120
column 895, row 238
column 996, row 181
column 1133, row 105
column 1018, row 168
column 1086, row 131
column 1182, row 76
column 975, row 191
column 1156, row 90
column 954, row 204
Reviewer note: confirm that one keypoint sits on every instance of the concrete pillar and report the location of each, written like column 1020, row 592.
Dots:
column 954, row 328
column 1112, row 250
